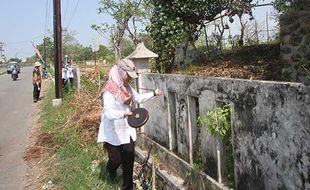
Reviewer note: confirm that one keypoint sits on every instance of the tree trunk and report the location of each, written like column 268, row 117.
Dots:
column 117, row 54
column 243, row 24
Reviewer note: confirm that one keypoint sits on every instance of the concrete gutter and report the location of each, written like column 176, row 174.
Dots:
column 195, row 178
column 173, row 181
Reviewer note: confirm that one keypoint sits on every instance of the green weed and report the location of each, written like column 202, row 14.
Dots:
column 73, row 166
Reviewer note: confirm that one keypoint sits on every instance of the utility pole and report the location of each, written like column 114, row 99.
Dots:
column 1, row 50
column 57, row 49
column 44, row 52
column 267, row 27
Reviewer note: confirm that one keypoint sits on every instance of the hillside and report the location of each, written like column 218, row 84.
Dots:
column 260, row 62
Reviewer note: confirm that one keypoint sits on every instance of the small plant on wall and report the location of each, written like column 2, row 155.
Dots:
column 305, row 65
column 217, row 120
column 219, row 126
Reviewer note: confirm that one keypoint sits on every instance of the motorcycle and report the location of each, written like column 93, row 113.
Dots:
column 14, row 74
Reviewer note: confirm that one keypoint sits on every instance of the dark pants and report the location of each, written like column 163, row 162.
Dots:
column 125, row 155
column 36, row 92
column 71, row 81
column 64, row 82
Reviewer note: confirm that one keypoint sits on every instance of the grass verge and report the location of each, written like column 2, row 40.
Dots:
column 74, row 163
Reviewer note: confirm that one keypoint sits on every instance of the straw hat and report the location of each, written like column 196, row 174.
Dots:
column 37, row 64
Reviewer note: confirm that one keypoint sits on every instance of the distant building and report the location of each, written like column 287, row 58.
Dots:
column 2, row 60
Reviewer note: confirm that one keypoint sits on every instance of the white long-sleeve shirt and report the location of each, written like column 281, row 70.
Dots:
column 114, row 128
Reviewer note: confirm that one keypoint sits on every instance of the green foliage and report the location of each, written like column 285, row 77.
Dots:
column 101, row 77
column 105, row 53
column 188, row 174
column 73, row 165
column 102, row 73
column 85, row 54
column 304, row 66
column 197, row 166
column 155, row 159
column 286, row 6
column 174, row 22
column 128, row 16
column 88, row 86
column 76, row 51
column 60, row 114
column 121, row 10
column 48, row 53
column 127, row 47
column 15, row 59
column 218, row 121
column 51, row 71
column 166, row 33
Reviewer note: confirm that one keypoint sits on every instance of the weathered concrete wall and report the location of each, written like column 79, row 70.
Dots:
column 270, row 126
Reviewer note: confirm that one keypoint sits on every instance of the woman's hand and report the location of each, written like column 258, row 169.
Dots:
column 157, row 92
column 127, row 114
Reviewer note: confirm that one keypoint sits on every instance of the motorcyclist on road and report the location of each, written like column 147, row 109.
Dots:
column 14, row 74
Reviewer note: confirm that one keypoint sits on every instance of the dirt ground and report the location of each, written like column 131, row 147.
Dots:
column 34, row 155
column 253, row 62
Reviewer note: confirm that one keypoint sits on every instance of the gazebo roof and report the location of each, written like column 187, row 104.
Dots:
column 142, row 52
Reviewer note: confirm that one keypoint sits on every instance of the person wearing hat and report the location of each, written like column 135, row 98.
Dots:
column 119, row 138
column 36, row 81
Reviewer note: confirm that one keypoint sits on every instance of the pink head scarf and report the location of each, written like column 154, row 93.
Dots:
column 115, row 84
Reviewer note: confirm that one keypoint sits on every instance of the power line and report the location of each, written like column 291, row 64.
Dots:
column 47, row 15
column 73, row 13
column 45, row 29
column 25, row 41
column 66, row 10
column 1, row 50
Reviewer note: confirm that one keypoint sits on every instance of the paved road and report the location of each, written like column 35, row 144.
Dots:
column 16, row 107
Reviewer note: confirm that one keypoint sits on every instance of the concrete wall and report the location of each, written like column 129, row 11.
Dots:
column 270, row 126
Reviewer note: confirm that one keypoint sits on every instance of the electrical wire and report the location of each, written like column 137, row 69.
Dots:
column 47, row 14
column 66, row 10
column 39, row 36
column 73, row 13
column 25, row 41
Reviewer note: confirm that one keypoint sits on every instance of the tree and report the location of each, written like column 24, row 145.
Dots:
column 126, row 13
column 46, row 48
column 146, row 39
column 105, row 53
column 243, row 25
column 74, row 51
column 15, row 60
column 291, row 5
column 85, row 54
column 176, row 21
column 252, row 32
column 68, row 38
column 70, row 45
column 219, row 30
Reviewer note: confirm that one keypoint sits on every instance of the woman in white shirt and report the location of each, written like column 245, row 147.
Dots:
column 118, row 97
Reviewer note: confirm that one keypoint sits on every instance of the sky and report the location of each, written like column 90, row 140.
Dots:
column 26, row 21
